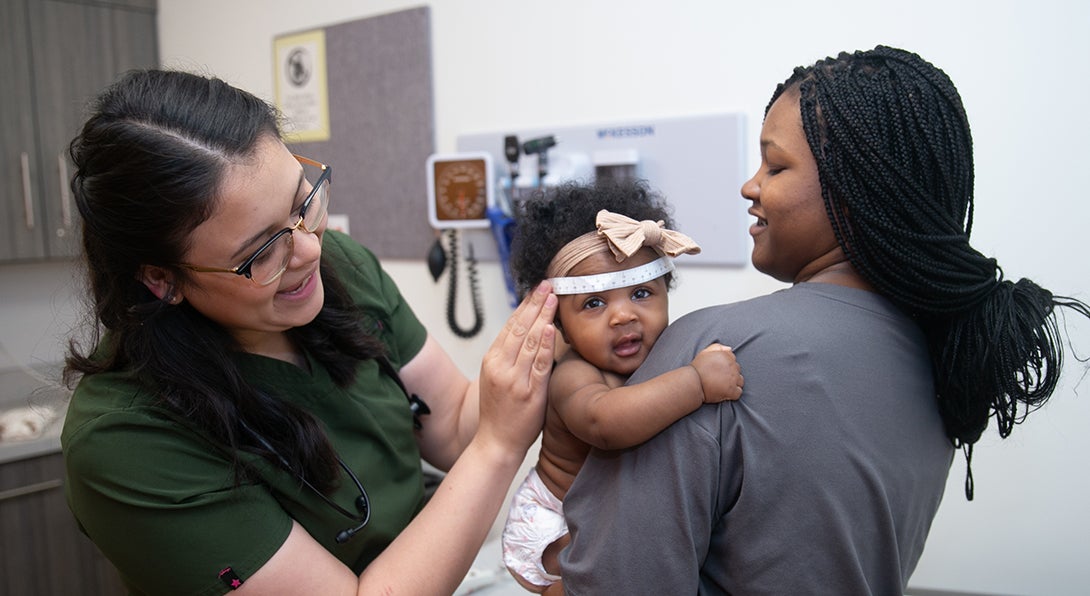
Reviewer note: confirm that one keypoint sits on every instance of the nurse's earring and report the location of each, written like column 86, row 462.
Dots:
column 159, row 282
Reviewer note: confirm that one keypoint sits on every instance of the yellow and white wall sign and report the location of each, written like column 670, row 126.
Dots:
column 302, row 90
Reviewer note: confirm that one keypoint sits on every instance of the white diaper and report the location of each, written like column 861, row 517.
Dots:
column 534, row 521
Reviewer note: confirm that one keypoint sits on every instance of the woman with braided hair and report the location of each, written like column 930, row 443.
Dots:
column 895, row 344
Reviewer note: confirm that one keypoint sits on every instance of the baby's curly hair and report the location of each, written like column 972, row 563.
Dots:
column 549, row 219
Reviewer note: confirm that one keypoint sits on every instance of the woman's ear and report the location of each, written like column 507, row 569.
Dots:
column 160, row 282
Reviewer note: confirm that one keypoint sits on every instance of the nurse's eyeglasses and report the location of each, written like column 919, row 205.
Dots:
column 269, row 262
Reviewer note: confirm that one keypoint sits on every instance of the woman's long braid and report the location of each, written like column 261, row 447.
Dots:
column 894, row 155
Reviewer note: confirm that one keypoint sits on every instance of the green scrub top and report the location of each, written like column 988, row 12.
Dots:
column 163, row 503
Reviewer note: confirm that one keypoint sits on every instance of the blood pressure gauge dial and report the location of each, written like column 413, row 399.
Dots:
column 459, row 190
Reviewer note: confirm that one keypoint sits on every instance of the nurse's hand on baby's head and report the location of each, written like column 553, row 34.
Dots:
column 720, row 376
column 515, row 373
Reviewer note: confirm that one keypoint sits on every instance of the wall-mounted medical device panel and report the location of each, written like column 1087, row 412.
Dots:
column 459, row 189
column 696, row 162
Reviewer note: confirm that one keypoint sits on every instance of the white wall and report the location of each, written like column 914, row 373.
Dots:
column 1022, row 69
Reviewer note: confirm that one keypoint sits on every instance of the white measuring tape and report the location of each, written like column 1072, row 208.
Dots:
column 589, row 284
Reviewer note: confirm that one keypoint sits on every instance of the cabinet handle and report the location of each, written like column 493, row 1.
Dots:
column 30, row 489
column 66, row 192
column 28, row 199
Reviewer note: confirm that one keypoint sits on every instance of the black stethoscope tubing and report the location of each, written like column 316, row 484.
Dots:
column 363, row 502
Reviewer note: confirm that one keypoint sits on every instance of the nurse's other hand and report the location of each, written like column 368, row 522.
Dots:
column 515, row 373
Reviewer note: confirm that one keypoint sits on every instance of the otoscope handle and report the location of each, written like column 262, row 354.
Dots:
column 503, row 231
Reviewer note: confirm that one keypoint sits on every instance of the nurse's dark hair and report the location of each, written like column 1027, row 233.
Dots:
column 150, row 162
column 549, row 219
column 895, row 160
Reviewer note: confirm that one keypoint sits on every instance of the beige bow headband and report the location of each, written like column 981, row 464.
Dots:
column 622, row 237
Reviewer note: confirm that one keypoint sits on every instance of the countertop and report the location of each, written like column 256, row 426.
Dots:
column 20, row 388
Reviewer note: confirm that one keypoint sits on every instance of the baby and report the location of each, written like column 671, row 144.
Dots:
column 611, row 273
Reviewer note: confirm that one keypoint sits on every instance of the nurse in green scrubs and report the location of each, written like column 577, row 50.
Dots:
column 255, row 398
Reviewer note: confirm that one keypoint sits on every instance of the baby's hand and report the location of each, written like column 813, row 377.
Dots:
column 720, row 376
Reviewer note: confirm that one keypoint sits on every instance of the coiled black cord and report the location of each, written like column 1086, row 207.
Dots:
column 474, row 289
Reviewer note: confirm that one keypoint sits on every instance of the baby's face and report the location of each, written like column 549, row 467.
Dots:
column 615, row 329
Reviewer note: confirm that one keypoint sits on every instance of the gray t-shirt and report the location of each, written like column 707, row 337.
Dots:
column 823, row 479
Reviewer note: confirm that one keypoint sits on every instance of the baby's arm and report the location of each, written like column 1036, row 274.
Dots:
column 614, row 418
